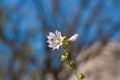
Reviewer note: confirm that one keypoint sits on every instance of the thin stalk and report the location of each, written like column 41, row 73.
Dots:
column 74, row 71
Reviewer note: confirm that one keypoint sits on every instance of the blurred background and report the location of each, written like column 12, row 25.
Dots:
column 24, row 25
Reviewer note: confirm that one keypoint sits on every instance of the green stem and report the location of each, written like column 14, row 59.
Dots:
column 73, row 70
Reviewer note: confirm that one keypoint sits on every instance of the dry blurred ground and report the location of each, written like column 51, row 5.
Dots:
column 100, row 62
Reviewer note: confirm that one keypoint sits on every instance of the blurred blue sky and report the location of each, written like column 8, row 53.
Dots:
column 24, row 15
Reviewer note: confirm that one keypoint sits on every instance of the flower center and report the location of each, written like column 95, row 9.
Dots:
column 57, row 41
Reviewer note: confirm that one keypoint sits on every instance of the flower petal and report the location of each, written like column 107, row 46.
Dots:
column 52, row 45
column 49, row 37
column 57, row 47
column 58, row 34
column 74, row 37
column 51, row 34
column 48, row 41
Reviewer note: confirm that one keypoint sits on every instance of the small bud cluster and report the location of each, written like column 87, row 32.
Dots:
column 64, row 58
column 81, row 76
column 71, row 63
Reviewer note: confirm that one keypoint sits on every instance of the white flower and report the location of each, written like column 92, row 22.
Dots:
column 54, row 39
column 74, row 37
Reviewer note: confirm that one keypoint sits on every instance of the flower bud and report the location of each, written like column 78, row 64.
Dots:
column 81, row 76
column 64, row 46
column 63, row 38
column 74, row 37
column 68, row 42
column 72, row 63
column 63, row 58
